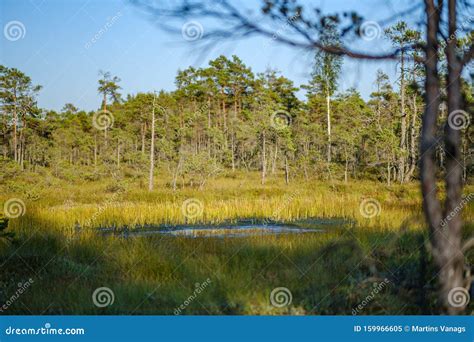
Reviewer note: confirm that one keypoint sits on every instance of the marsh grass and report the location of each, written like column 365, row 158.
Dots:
column 327, row 273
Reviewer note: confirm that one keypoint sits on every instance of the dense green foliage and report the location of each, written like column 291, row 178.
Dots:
column 222, row 116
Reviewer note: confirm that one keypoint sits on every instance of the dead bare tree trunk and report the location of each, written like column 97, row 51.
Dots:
column 105, row 130
column 275, row 157
column 152, row 146
column 403, row 121
column 232, row 148
column 328, row 105
column 209, row 126
column 21, row 151
column 411, row 171
column 388, row 173
column 264, row 159
column 15, row 124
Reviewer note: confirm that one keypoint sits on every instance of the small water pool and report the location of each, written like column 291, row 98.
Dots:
column 215, row 232
column 234, row 230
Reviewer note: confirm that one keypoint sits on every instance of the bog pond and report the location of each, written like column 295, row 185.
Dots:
column 240, row 228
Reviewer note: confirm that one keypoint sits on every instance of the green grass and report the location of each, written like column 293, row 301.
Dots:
column 327, row 273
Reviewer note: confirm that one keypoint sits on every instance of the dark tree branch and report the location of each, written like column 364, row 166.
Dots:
column 240, row 26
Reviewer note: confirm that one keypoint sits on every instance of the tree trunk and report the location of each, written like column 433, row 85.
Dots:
column 413, row 160
column 403, row 127
column 346, row 170
column 287, row 170
column 21, row 149
column 328, row 106
column 152, row 147
column 143, row 135
column 224, row 118
column 232, row 146
column 451, row 252
column 209, row 126
column 15, row 123
column 176, row 173
column 388, row 173
column 446, row 242
column 274, row 159
column 264, row 159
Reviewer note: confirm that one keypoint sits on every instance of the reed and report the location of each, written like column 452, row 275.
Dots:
column 327, row 273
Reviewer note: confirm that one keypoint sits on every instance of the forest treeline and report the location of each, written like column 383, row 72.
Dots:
column 225, row 117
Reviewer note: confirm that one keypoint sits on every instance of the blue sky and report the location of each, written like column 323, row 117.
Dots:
column 59, row 52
